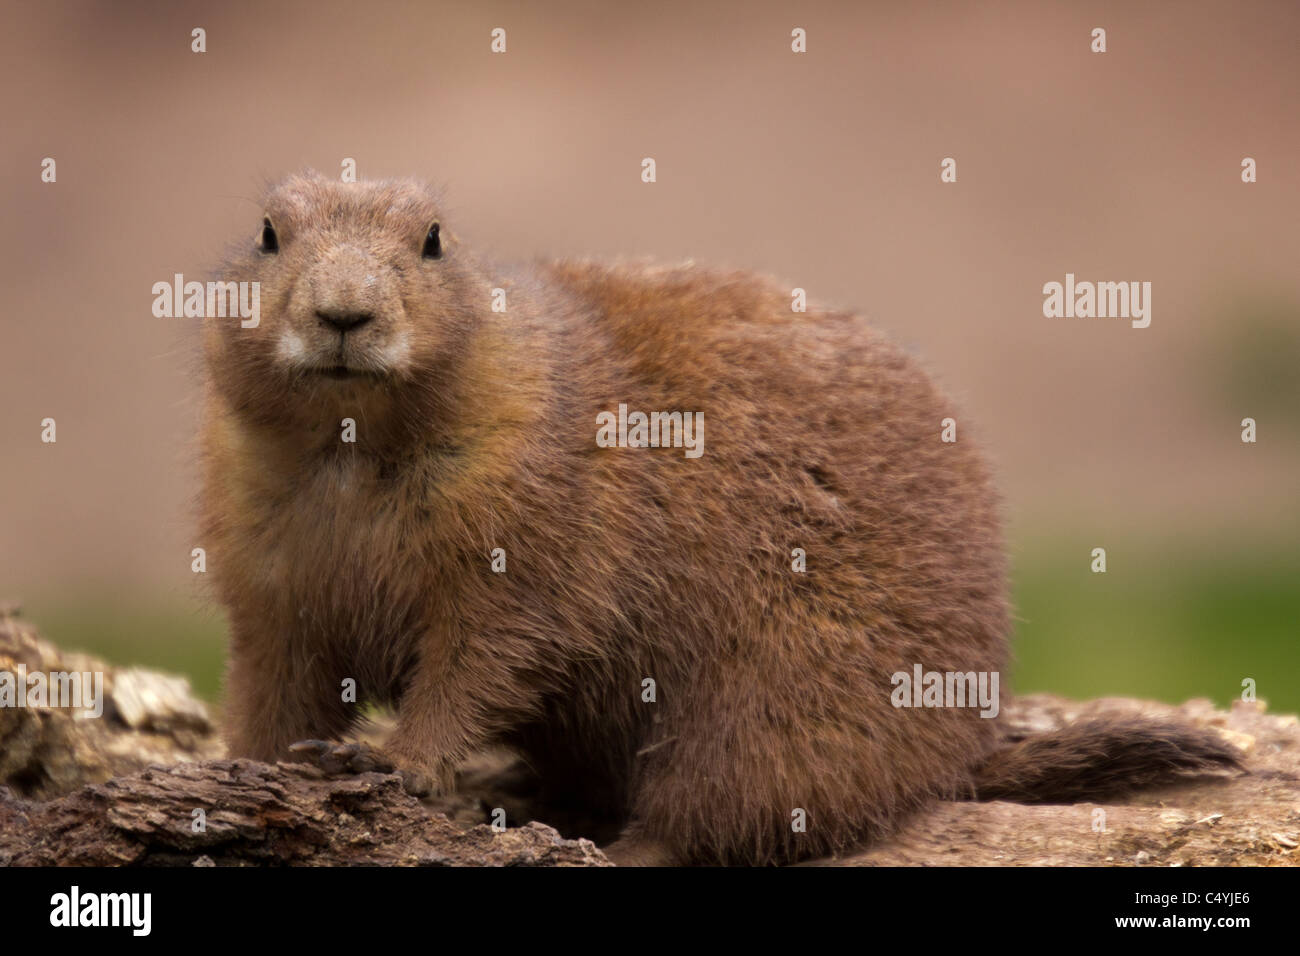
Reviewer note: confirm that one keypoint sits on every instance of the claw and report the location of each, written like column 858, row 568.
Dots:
column 360, row 758
column 336, row 758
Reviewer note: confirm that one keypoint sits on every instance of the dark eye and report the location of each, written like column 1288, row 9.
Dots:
column 432, row 244
column 270, row 242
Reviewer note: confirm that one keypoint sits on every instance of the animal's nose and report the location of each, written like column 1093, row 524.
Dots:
column 344, row 321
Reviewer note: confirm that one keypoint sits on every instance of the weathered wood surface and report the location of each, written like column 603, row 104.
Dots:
column 259, row 814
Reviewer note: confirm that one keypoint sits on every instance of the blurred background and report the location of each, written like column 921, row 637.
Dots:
column 820, row 168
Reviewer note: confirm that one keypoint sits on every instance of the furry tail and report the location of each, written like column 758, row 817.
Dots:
column 1096, row 759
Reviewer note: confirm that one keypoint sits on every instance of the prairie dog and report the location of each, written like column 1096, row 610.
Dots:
column 637, row 621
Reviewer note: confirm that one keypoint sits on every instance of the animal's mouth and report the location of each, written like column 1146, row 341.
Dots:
column 343, row 373
column 337, row 371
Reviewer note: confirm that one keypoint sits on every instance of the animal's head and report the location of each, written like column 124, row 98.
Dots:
column 361, row 291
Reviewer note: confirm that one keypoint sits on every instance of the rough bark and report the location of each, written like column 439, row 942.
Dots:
column 258, row 814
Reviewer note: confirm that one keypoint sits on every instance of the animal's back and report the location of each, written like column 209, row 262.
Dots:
column 822, row 438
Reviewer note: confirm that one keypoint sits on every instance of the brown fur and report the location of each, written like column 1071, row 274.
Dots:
column 1100, row 759
column 371, row 560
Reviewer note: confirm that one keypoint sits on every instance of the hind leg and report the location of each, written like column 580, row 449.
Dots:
column 762, row 764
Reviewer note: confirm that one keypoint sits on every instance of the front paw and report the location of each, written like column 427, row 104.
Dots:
column 337, row 759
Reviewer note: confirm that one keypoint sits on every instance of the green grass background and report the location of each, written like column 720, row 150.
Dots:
column 1171, row 622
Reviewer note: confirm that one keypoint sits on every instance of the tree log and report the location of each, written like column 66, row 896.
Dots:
column 258, row 814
